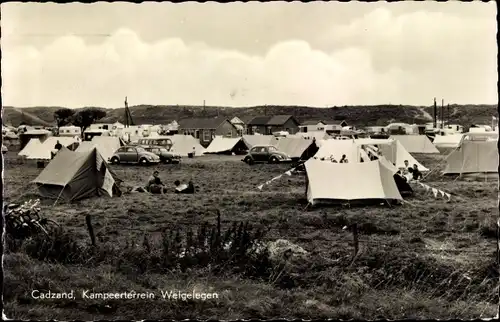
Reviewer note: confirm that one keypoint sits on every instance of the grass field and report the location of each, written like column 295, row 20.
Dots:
column 429, row 258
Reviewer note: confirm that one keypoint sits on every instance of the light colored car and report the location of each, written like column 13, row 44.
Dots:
column 266, row 153
column 134, row 154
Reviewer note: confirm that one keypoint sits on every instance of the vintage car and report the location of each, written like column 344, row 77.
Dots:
column 134, row 154
column 166, row 156
column 266, row 153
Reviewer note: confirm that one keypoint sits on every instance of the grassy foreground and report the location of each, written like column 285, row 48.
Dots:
column 429, row 258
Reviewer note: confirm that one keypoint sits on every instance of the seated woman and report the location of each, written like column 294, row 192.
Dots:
column 155, row 185
column 184, row 188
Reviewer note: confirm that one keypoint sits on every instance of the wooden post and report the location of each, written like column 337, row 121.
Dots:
column 91, row 230
column 355, row 238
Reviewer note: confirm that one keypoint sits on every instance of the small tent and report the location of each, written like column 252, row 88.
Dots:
column 32, row 146
column 223, row 145
column 473, row 158
column 297, row 148
column 416, row 143
column 329, row 182
column 253, row 140
column 184, row 144
column 72, row 176
column 44, row 151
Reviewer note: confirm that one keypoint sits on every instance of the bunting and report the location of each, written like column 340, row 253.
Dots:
column 288, row 173
column 435, row 191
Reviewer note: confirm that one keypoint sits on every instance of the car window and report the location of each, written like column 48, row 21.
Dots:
column 272, row 148
column 130, row 150
column 122, row 150
column 155, row 150
column 139, row 150
column 255, row 150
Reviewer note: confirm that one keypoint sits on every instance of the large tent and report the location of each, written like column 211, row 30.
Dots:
column 329, row 182
column 416, row 143
column 447, row 141
column 474, row 156
column 252, row 140
column 297, row 148
column 72, row 176
column 184, row 144
column 44, row 150
column 223, row 145
column 106, row 145
column 393, row 150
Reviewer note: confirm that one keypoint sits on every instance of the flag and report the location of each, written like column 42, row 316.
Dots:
column 260, row 187
column 441, row 192
column 288, row 173
column 108, row 183
column 448, row 195
column 276, row 178
column 426, row 187
column 435, row 192
column 268, row 182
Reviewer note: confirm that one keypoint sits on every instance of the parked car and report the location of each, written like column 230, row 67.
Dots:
column 165, row 155
column 134, row 154
column 266, row 153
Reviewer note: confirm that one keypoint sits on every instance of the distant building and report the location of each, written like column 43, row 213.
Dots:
column 240, row 125
column 270, row 124
column 312, row 126
column 101, row 126
column 205, row 129
column 70, row 131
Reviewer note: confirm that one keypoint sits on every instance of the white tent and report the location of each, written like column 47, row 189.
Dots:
column 393, row 150
column 184, row 144
column 416, row 143
column 105, row 145
column 329, row 181
column 33, row 145
column 447, row 141
column 252, row 140
column 43, row 151
column 222, row 144
column 337, row 148
column 294, row 147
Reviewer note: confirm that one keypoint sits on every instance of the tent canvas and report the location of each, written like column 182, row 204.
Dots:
column 416, row 143
column 43, row 151
column 329, row 181
column 297, row 148
column 183, row 144
column 106, row 145
column 473, row 157
column 253, row 140
column 447, row 141
column 337, row 148
column 394, row 151
column 72, row 176
column 225, row 145
column 33, row 145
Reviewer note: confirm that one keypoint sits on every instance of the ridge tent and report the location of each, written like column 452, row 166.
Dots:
column 184, row 144
column 297, row 148
column 77, row 175
column 106, row 145
column 253, row 140
column 329, row 182
column 222, row 145
column 43, row 151
column 473, row 158
column 394, row 151
column 33, row 145
column 416, row 143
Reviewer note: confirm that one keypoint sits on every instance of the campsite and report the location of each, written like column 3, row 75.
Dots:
column 431, row 256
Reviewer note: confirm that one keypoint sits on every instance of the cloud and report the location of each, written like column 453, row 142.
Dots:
column 381, row 58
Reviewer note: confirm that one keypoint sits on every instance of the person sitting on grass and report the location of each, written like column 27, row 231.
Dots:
column 155, row 185
column 344, row 159
column 417, row 175
column 184, row 188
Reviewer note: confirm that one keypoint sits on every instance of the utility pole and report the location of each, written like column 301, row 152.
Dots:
column 204, row 111
column 442, row 113
column 435, row 113
column 448, row 118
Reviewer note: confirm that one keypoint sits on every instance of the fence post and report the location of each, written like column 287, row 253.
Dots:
column 91, row 230
column 355, row 238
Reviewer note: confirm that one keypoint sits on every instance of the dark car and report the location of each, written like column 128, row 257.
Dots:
column 266, row 153
column 165, row 155
column 134, row 154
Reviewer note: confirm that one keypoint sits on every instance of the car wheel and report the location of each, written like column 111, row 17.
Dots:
column 273, row 160
column 167, row 161
column 144, row 161
column 115, row 160
column 249, row 160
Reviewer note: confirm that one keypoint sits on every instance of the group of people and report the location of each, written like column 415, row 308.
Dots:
column 156, row 186
column 333, row 160
column 410, row 173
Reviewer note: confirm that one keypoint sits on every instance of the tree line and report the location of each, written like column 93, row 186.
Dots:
column 82, row 118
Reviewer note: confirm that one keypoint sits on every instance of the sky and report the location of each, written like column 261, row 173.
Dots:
column 245, row 54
